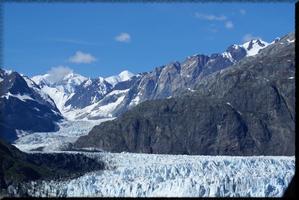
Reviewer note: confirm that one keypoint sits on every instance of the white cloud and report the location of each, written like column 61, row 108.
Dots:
column 56, row 74
column 247, row 37
column 210, row 17
column 229, row 25
column 81, row 57
column 242, row 11
column 123, row 37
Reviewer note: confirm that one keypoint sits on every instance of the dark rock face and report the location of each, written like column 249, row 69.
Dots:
column 18, row 168
column 247, row 109
column 24, row 107
column 174, row 78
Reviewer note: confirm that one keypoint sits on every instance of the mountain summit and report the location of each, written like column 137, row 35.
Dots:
column 78, row 97
column 123, row 76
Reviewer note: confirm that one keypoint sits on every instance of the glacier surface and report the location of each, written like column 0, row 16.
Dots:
column 153, row 175
column 69, row 132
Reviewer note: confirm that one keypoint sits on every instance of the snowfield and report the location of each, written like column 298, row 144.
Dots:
column 145, row 175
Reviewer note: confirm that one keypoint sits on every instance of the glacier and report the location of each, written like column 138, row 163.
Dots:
column 68, row 132
column 157, row 175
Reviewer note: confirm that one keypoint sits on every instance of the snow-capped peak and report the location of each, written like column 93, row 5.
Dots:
column 54, row 79
column 7, row 72
column 40, row 79
column 123, row 76
column 252, row 47
column 68, row 81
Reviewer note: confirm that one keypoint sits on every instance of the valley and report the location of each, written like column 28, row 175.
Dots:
column 218, row 125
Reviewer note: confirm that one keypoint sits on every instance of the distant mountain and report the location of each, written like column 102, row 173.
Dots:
column 175, row 78
column 252, row 47
column 24, row 107
column 123, row 76
column 78, row 97
column 59, row 89
column 246, row 109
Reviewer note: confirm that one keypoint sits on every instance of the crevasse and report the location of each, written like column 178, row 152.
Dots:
column 145, row 175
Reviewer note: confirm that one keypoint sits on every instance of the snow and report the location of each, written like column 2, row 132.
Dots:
column 107, row 109
column 291, row 41
column 154, row 175
column 136, row 100
column 60, row 90
column 193, row 63
column 69, row 81
column 52, row 141
column 123, row 76
column 117, row 92
column 31, row 84
column 7, row 72
column 191, row 90
column 21, row 133
column 236, row 46
column 228, row 55
column 255, row 47
column 96, row 109
column 87, row 83
column 58, row 95
column 63, row 89
column 23, row 97
column 291, row 77
column 36, row 109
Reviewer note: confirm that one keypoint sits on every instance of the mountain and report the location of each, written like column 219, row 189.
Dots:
column 24, row 107
column 19, row 168
column 123, row 76
column 76, row 96
column 60, row 89
column 176, row 77
column 246, row 109
column 109, row 97
column 252, row 47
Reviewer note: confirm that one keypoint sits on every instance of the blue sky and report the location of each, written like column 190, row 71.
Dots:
column 102, row 39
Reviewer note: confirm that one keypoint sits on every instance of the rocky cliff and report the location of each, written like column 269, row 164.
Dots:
column 247, row 109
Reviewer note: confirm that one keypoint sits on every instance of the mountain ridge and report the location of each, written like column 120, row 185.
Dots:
column 246, row 109
column 162, row 82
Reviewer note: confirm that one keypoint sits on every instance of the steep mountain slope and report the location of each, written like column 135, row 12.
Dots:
column 78, row 97
column 247, row 109
column 171, row 79
column 24, row 107
column 59, row 89
column 17, row 168
column 110, row 97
